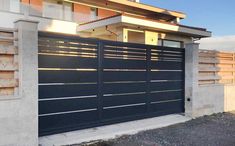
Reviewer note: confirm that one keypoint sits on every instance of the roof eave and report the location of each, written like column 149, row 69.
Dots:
column 133, row 8
column 147, row 24
column 150, row 8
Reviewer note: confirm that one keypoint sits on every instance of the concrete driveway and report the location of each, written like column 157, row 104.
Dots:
column 215, row 130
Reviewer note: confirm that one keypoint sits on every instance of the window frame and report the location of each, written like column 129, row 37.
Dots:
column 162, row 42
column 63, row 9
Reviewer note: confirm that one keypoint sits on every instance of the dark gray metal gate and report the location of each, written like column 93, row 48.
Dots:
column 88, row 82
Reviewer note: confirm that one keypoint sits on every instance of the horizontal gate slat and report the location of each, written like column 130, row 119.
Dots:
column 65, row 37
column 109, row 101
column 123, row 112
column 127, row 49
column 50, row 61
column 165, row 96
column 166, row 75
column 167, row 49
column 167, row 65
column 117, row 88
column 67, row 51
column 65, row 122
column 166, row 53
column 121, row 44
column 66, row 76
column 167, row 107
column 124, row 64
column 110, row 76
column 57, row 45
column 163, row 56
column 171, row 85
column 65, row 105
column 124, row 53
column 57, row 91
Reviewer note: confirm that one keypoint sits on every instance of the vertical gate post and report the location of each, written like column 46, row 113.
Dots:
column 191, row 77
column 148, row 79
column 100, row 57
column 28, row 81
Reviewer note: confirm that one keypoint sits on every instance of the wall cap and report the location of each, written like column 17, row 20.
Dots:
column 26, row 20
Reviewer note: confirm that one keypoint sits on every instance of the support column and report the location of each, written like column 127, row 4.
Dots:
column 191, row 77
column 28, row 79
column 122, row 35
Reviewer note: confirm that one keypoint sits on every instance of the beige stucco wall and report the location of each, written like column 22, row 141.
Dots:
column 150, row 37
column 134, row 35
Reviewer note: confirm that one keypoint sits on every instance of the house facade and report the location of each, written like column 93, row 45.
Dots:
column 116, row 20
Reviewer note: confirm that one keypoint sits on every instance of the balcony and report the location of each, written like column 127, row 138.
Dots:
column 48, row 10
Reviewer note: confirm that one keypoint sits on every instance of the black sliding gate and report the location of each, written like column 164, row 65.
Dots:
column 88, row 82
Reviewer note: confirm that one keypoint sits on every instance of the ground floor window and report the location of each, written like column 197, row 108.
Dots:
column 170, row 43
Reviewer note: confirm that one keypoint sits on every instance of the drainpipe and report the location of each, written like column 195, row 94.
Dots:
column 113, row 33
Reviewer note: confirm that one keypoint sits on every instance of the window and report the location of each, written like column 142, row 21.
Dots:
column 10, row 5
column 94, row 13
column 170, row 43
column 57, row 9
column 134, row 1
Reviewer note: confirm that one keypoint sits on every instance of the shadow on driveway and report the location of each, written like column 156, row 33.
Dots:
column 215, row 130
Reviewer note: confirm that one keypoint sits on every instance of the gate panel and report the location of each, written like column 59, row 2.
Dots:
column 61, row 105
column 63, row 76
column 68, row 90
column 124, row 111
column 87, row 82
column 67, row 83
column 166, row 96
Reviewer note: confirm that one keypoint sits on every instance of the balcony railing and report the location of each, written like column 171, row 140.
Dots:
column 57, row 12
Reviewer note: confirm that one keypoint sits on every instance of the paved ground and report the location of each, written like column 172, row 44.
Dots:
column 216, row 130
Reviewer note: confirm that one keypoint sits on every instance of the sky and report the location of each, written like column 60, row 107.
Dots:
column 217, row 16
column 222, row 43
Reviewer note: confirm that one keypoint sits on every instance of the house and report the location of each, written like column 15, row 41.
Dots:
column 116, row 20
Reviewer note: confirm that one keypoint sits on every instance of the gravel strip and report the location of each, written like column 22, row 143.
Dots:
column 215, row 130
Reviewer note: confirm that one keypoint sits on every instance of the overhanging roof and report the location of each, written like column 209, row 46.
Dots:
column 135, row 8
column 148, row 24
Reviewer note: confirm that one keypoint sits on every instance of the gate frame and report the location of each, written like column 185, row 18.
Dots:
column 100, row 83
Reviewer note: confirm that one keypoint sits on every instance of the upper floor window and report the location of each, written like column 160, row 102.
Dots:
column 57, row 9
column 170, row 43
column 10, row 5
column 94, row 13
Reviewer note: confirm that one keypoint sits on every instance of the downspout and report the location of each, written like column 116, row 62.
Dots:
column 113, row 33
